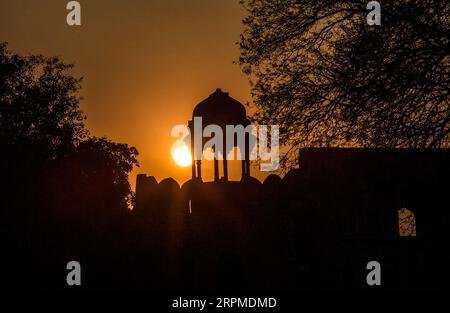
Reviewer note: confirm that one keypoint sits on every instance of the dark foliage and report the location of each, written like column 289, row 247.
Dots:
column 39, row 105
column 64, row 193
column 329, row 79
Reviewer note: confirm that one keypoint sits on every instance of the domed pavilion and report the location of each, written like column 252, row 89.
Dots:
column 219, row 109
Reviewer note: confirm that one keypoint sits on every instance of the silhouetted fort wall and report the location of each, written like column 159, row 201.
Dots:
column 315, row 228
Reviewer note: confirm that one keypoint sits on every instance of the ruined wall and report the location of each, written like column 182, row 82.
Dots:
column 336, row 212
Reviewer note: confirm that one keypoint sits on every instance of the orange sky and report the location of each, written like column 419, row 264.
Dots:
column 145, row 63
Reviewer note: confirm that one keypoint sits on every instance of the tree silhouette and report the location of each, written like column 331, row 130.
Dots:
column 46, row 147
column 39, row 105
column 329, row 79
column 95, row 173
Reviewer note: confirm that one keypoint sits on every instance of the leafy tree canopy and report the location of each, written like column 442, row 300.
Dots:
column 329, row 79
column 45, row 141
column 39, row 105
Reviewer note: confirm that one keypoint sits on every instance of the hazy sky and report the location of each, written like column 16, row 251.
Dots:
column 145, row 63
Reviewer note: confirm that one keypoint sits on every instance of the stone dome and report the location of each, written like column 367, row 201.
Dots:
column 220, row 109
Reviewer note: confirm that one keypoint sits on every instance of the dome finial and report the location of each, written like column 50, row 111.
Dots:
column 219, row 92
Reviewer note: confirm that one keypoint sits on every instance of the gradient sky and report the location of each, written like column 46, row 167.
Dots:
column 145, row 63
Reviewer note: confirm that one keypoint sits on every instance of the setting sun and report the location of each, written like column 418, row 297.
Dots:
column 182, row 156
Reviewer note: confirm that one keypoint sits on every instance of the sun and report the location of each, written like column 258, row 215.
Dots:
column 182, row 156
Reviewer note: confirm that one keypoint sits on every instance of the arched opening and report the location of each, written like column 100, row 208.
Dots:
column 406, row 223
